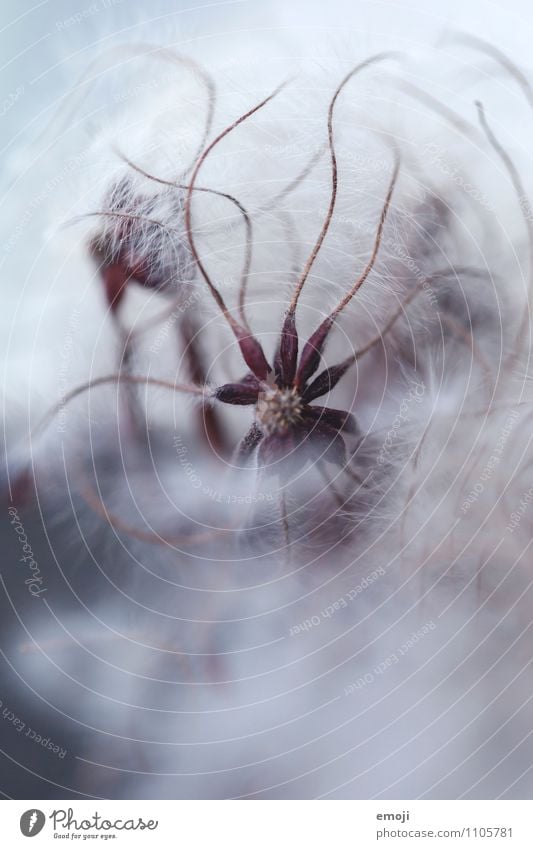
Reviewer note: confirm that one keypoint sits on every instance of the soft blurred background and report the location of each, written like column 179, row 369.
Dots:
column 90, row 673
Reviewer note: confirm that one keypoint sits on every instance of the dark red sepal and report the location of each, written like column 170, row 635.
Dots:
column 312, row 351
column 326, row 380
column 237, row 393
column 115, row 278
column 287, row 355
column 326, row 443
column 275, row 448
column 252, row 353
column 338, row 419
column 249, row 379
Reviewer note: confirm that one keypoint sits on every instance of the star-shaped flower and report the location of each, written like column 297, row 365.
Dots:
column 287, row 425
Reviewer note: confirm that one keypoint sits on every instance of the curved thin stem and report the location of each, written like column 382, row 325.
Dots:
column 334, row 177
column 329, row 378
column 243, row 211
column 375, row 250
column 311, row 353
column 285, row 525
column 498, row 56
column 219, row 300
column 464, row 127
column 117, row 379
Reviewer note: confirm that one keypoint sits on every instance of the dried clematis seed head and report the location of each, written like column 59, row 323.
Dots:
column 141, row 240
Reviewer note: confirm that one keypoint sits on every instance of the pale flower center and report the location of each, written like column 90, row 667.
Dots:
column 278, row 409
